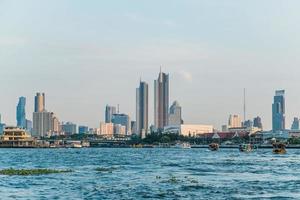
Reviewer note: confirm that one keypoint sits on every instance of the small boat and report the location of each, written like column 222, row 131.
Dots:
column 279, row 148
column 245, row 148
column 214, row 147
column 183, row 145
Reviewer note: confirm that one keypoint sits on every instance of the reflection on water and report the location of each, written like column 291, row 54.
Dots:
column 152, row 174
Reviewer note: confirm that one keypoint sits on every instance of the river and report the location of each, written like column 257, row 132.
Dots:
column 152, row 174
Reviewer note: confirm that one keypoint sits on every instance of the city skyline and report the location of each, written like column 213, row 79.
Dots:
column 95, row 65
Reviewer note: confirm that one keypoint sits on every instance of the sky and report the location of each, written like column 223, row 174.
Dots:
column 86, row 54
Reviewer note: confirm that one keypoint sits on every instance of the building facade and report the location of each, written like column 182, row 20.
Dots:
column 175, row 118
column 142, row 109
column 39, row 102
column 234, row 121
column 295, row 124
column 83, row 130
column 278, row 111
column 106, row 129
column 21, row 113
column 69, row 128
column 124, row 120
column 42, row 124
column 109, row 112
column 161, row 101
column 257, row 122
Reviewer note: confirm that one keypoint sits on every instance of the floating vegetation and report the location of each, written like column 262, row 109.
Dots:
column 105, row 169
column 29, row 172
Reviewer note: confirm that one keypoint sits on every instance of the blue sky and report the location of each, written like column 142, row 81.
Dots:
column 86, row 54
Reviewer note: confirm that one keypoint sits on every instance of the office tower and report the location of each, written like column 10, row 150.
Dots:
column 69, row 128
column 20, row 113
column 133, row 127
column 42, row 124
column 234, row 121
column 278, row 111
column 83, row 129
column 161, row 101
column 109, row 111
column 106, row 129
column 39, row 102
column 124, row 120
column 175, row 118
column 142, row 109
column 295, row 125
column 257, row 122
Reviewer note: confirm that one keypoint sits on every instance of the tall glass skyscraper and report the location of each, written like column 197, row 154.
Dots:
column 142, row 109
column 161, row 101
column 21, row 114
column 109, row 112
column 278, row 111
column 39, row 102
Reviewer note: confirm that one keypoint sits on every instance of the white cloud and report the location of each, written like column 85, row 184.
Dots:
column 186, row 75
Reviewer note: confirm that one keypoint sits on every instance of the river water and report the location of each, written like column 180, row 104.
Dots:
column 152, row 174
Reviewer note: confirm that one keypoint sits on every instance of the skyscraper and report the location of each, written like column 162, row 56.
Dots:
column 39, row 102
column 42, row 124
column 278, row 111
column 161, row 101
column 142, row 109
column 257, row 122
column 295, row 125
column 21, row 114
column 109, row 111
column 234, row 121
column 175, row 118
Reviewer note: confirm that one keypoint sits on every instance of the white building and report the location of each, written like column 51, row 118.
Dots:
column 191, row 130
column 106, row 128
column 234, row 121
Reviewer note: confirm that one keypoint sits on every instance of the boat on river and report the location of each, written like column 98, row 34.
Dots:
column 279, row 148
column 246, row 148
column 213, row 146
column 184, row 145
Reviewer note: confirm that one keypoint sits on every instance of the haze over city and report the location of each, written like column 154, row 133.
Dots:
column 87, row 55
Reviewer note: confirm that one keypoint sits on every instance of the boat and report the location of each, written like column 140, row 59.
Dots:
column 214, row 147
column 279, row 148
column 245, row 148
column 183, row 145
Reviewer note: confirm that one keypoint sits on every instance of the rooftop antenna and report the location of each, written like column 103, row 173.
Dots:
column 244, row 104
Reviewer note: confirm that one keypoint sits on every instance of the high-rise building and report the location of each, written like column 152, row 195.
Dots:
column 295, row 124
column 142, row 109
column 175, row 118
column 39, row 102
column 278, row 111
column 29, row 125
column 124, row 120
column 69, row 128
column 257, row 122
column 234, row 121
column 42, row 124
column 20, row 113
column 2, row 126
column 109, row 111
column 56, row 126
column 83, row 130
column 161, row 101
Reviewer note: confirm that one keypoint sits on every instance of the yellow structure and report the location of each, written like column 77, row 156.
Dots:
column 16, row 137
